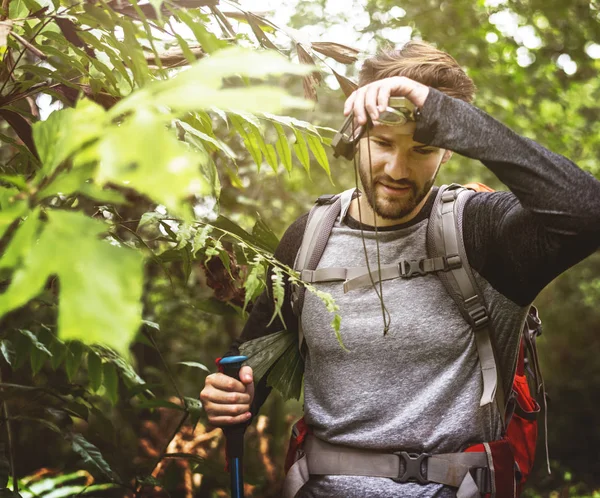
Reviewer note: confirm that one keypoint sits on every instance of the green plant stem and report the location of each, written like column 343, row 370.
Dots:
column 171, row 378
column 11, row 448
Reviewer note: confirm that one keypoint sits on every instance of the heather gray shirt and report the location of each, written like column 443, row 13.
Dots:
column 416, row 388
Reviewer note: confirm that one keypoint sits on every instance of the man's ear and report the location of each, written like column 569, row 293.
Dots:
column 447, row 156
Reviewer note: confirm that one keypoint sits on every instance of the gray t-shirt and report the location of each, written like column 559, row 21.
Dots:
column 418, row 387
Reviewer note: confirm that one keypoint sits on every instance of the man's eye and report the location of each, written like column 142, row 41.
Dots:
column 381, row 143
column 424, row 152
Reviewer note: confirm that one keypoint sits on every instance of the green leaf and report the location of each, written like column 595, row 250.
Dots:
column 263, row 352
column 59, row 352
column 270, row 156
column 278, row 293
column 254, row 282
column 159, row 403
column 265, row 235
column 73, row 359
column 111, row 382
column 316, row 147
column 249, row 142
column 10, row 212
column 283, row 148
column 35, row 342
column 22, row 241
column 94, row 364
column 64, row 132
column 91, row 456
column 22, row 349
column 200, row 87
column 79, row 180
column 162, row 168
column 149, row 481
column 287, row 373
column 209, row 42
column 301, row 150
column 100, row 284
column 207, row 138
column 134, row 52
column 194, row 364
column 150, row 218
column 16, row 180
column 200, row 239
column 194, row 408
column 8, row 351
column 37, row 360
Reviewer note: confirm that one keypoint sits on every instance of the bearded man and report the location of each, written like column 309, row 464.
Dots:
column 418, row 388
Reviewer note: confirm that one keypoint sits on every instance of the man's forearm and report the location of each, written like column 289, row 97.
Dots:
column 565, row 198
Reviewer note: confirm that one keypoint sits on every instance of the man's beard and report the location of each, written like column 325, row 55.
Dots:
column 392, row 208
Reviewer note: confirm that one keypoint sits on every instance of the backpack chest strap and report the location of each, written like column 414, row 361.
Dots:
column 357, row 277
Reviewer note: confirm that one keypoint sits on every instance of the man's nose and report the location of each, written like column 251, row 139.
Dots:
column 397, row 165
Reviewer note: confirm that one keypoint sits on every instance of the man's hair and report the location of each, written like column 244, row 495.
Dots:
column 421, row 62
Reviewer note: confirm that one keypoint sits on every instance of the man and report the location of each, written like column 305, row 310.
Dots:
column 418, row 387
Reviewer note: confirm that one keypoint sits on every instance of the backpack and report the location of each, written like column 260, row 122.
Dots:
column 447, row 259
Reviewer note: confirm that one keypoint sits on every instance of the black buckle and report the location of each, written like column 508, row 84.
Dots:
column 479, row 316
column 326, row 199
column 414, row 268
column 412, row 467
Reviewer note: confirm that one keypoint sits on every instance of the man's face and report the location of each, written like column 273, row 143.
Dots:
column 402, row 171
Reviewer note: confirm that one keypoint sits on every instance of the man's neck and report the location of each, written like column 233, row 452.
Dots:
column 361, row 210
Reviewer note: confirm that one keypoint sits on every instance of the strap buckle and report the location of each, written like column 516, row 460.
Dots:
column 326, row 199
column 413, row 463
column 410, row 268
column 453, row 261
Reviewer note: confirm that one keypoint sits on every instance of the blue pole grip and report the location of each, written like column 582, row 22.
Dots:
column 235, row 434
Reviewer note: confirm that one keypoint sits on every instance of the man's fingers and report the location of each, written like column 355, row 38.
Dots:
column 371, row 100
column 225, row 383
column 246, row 375
column 226, row 420
column 360, row 114
column 225, row 397
column 218, row 410
column 383, row 98
column 349, row 104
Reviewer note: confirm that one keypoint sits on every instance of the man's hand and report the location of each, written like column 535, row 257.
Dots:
column 226, row 400
column 374, row 97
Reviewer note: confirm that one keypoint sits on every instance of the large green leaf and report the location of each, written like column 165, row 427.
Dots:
column 94, row 364
column 66, row 131
column 79, row 180
column 263, row 352
column 22, row 241
column 10, row 212
column 287, row 373
column 100, row 284
column 91, row 456
column 111, row 382
column 200, row 87
column 162, row 167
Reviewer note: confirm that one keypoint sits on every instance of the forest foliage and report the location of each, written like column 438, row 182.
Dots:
column 152, row 153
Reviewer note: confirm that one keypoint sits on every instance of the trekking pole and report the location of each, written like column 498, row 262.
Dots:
column 234, row 434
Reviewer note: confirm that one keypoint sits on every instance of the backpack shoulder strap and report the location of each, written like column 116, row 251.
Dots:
column 445, row 238
column 320, row 222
